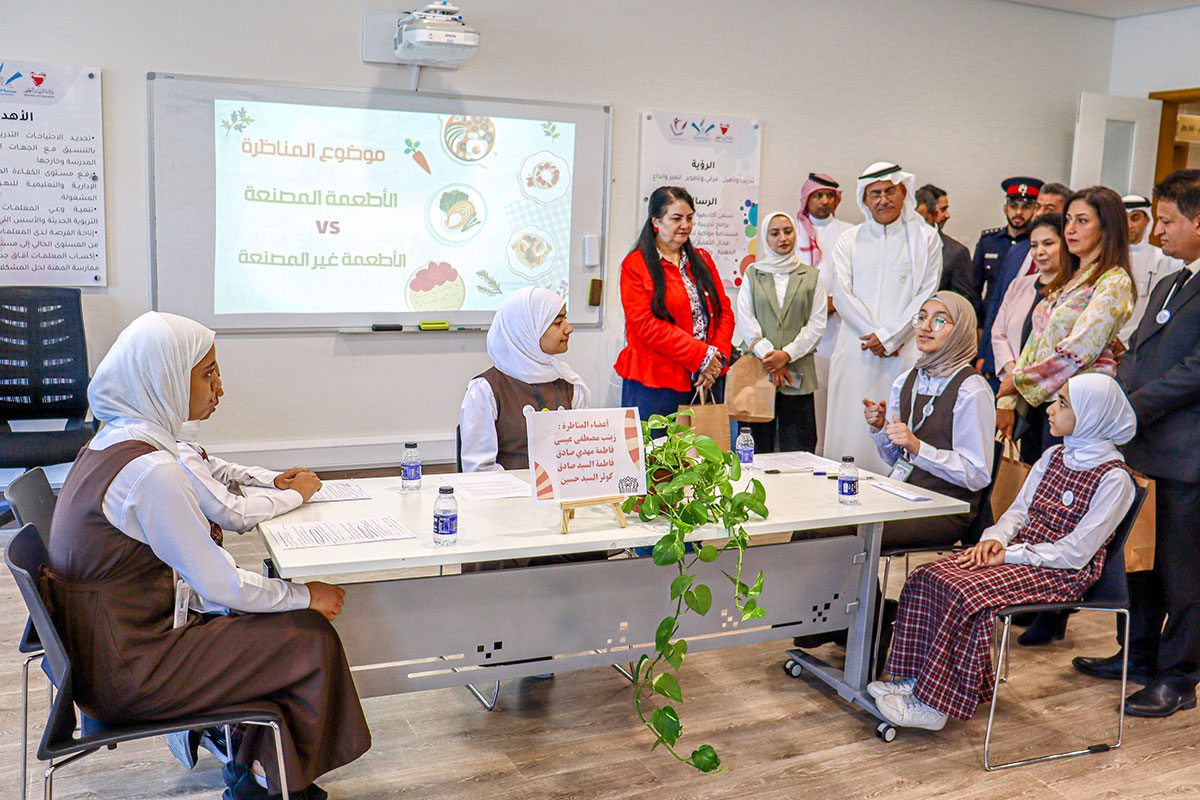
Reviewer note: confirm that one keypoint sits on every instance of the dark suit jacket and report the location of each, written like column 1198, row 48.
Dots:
column 1161, row 375
column 958, row 271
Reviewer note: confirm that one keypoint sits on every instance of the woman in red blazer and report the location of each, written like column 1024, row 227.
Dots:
column 678, row 320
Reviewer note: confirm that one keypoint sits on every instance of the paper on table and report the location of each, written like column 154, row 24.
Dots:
column 328, row 493
column 792, row 462
column 900, row 491
column 488, row 485
column 295, row 535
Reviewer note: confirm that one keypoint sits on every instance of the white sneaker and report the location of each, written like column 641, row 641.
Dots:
column 909, row 712
column 878, row 689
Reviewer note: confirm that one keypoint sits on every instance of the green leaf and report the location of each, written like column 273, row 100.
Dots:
column 665, row 684
column 451, row 197
column 637, row 670
column 756, row 589
column 705, row 758
column 753, row 613
column 699, row 599
column 757, row 506
column 735, row 469
column 708, row 449
column 666, row 722
column 662, row 636
column 680, row 584
column 742, row 589
column 678, row 651
column 696, row 512
column 758, row 491
column 709, row 553
column 667, row 550
column 629, row 503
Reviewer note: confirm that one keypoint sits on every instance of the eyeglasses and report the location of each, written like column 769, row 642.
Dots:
column 936, row 322
column 875, row 195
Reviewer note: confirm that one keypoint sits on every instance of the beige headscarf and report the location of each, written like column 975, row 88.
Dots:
column 766, row 259
column 960, row 346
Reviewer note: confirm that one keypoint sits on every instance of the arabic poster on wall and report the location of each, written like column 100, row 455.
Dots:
column 583, row 454
column 51, row 176
column 716, row 158
column 324, row 209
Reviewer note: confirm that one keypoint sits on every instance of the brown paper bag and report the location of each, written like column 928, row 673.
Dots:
column 708, row 419
column 1139, row 547
column 1009, row 479
column 749, row 392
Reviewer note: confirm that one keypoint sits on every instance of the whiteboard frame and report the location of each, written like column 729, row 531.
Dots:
column 183, row 301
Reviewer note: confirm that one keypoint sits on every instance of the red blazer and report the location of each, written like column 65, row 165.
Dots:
column 657, row 353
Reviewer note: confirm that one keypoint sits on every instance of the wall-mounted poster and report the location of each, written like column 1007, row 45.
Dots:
column 51, row 176
column 716, row 158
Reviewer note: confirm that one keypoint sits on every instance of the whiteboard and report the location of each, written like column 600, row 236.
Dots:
column 291, row 207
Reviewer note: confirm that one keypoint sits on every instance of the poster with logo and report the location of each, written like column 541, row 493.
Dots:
column 716, row 158
column 51, row 176
column 586, row 453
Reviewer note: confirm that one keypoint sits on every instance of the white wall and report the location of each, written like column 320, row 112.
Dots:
column 957, row 91
column 1156, row 53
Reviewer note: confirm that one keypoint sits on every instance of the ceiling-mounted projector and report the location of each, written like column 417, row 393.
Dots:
column 435, row 35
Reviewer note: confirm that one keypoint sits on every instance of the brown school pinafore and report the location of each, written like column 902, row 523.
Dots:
column 113, row 602
column 512, row 395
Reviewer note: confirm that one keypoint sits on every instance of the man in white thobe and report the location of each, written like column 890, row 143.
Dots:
column 1148, row 263
column 884, row 268
column 818, row 233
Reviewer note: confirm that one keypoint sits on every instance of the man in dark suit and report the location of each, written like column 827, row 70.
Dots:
column 958, row 271
column 1161, row 375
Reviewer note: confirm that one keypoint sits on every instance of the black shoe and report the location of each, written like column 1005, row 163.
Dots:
column 1047, row 627
column 1110, row 669
column 182, row 745
column 241, row 783
column 1159, row 700
column 1024, row 619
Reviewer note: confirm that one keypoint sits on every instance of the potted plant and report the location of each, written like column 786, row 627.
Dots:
column 690, row 482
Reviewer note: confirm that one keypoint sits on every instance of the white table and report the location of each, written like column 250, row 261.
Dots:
column 410, row 634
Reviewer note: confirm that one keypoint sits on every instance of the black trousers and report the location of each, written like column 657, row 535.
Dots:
column 794, row 427
column 1170, row 593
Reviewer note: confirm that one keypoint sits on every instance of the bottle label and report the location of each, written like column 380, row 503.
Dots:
column 745, row 455
column 847, row 486
column 410, row 472
column 445, row 524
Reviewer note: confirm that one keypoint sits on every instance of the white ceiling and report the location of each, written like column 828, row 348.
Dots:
column 1111, row 9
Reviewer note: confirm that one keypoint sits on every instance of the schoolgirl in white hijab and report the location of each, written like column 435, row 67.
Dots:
column 141, row 391
column 514, row 343
column 1103, row 419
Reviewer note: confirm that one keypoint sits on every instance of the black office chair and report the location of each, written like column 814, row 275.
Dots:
column 43, row 375
column 1109, row 593
column 32, row 502
column 26, row 557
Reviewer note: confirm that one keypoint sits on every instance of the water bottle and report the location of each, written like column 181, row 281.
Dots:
column 848, row 482
column 410, row 468
column 744, row 447
column 445, row 517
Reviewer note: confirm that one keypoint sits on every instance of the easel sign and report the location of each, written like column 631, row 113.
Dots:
column 585, row 457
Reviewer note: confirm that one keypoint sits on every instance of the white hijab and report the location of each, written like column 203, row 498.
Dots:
column 145, row 379
column 514, row 340
column 896, row 176
column 766, row 259
column 1103, row 420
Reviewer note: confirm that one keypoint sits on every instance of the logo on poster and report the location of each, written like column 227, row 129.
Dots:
column 6, row 81
column 39, row 88
column 678, row 126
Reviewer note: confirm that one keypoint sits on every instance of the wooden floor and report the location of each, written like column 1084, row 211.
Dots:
column 574, row 736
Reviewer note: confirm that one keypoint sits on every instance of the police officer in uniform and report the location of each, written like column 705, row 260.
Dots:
column 1020, row 197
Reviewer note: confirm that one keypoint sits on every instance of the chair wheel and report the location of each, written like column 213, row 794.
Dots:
column 793, row 668
column 885, row 731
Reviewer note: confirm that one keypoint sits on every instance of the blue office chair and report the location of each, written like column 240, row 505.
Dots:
column 1109, row 593
column 27, row 558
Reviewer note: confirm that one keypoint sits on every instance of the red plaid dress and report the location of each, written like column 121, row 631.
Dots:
column 947, row 613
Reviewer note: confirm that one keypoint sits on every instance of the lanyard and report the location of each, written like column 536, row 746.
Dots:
column 926, row 410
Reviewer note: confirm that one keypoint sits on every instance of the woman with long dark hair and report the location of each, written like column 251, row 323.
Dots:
column 678, row 320
column 1075, row 327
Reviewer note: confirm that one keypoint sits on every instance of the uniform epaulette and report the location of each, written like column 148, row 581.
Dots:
column 992, row 230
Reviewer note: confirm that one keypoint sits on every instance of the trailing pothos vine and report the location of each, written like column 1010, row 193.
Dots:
column 690, row 481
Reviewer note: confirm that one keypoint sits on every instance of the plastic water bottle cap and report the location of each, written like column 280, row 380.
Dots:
column 446, row 490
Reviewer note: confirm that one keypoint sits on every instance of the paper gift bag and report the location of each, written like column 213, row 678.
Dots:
column 1139, row 547
column 749, row 392
column 1009, row 479
column 708, row 419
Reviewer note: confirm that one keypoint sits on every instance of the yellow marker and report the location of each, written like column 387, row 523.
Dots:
column 435, row 325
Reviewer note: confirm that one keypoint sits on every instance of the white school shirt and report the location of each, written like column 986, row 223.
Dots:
column 1075, row 550
column 969, row 462
column 806, row 340
column 477, row 426
column 152, row 501
column 212, row 478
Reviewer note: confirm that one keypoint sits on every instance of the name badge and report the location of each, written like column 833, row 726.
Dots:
column 183, row 598
column 901, row 470
column 1163, row 317
column 1068, row 498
